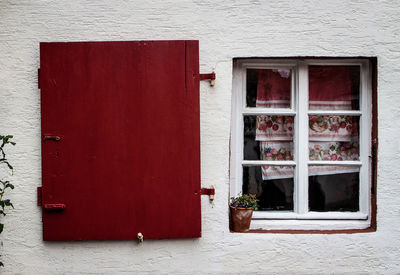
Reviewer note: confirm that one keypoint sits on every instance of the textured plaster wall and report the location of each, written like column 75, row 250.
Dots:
column 226, row 29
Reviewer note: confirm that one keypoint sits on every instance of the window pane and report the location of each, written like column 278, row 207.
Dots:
column 273, row 186
column 334, row 137
column 333, row 188
column 268, row 88
column 268, row 137
column 334, row 87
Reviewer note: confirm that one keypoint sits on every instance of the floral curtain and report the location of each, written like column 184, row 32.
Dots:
column 333, row 138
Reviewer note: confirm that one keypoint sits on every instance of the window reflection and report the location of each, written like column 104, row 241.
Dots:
column 274, row 192
column 333, row 137
column 268, row 88
column 268, row 137
column 334, row 87
column 333, row 188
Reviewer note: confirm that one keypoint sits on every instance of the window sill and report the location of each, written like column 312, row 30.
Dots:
column 311, row 226
column 286, row 215
column 301, row 231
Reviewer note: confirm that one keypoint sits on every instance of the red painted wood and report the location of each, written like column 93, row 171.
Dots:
column 128, row 157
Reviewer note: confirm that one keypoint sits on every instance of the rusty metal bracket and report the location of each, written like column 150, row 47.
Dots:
column 208, row 191
column 210, row 76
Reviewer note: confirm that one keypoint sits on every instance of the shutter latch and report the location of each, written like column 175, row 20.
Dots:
column 140, row 237
column 208, row 191
column 210, row 76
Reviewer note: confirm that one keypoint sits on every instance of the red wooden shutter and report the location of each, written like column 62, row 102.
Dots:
column 128, row 157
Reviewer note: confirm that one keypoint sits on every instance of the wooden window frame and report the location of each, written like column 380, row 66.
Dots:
column 300, row 219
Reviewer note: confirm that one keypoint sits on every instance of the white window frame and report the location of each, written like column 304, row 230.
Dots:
column 300, row 217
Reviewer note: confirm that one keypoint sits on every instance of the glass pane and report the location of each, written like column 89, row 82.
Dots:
column 333, row 188
column 268, row 88
column 268, row 137
column 334, row 87
column 334, row 137
column 273, row 186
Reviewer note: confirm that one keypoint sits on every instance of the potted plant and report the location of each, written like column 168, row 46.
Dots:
column 241, row 209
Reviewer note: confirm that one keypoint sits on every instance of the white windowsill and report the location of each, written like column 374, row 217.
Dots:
column 309, row 224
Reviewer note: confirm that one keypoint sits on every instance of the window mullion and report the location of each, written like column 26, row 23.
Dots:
column 302, row 139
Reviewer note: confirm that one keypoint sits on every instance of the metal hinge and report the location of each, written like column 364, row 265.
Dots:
column 208, row 191
column 38, row 81
column 48, row 137
column 54, row 207
column 39, row 196
column 48, row 207
column 210, row 76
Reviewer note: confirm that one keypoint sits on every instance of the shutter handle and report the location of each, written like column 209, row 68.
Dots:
column 140, row 237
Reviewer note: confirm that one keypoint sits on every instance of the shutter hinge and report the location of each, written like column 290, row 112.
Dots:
column 39, row 196
column 47, row 137
column 208, row 191
column 210, row 76
column 38, row 81
column 54, row 207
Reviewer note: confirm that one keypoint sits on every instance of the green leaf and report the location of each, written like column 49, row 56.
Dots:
column 9, row 185
column 1, row 264
column 1, row 227
column 13, row 143
column 9, row 166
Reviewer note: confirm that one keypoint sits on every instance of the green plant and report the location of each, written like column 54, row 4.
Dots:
column 5, row 184
column 245, row 201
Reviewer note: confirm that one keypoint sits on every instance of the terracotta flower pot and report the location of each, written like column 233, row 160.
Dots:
column 241, row 218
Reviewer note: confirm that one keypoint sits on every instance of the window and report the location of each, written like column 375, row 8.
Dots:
column 301, row 141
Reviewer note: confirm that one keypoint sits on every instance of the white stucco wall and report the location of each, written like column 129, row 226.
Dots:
column 225, row 29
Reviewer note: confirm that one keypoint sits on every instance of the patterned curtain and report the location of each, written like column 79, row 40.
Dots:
column 333, row 138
